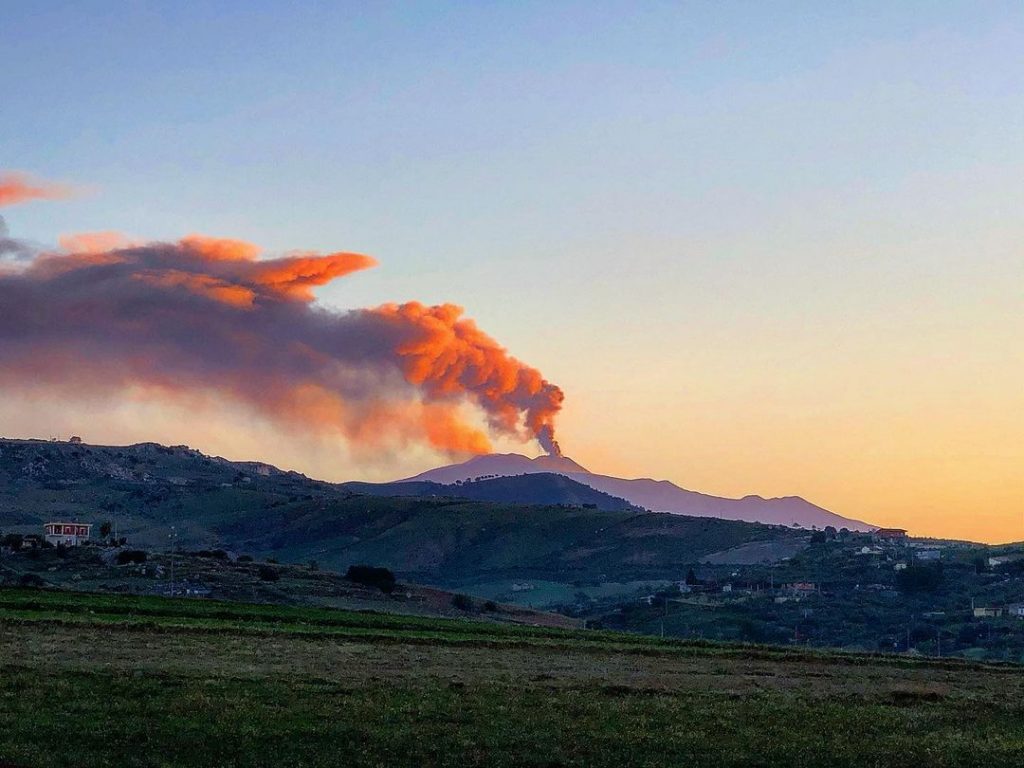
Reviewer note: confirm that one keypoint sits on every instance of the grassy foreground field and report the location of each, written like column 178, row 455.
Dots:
column 91, row 680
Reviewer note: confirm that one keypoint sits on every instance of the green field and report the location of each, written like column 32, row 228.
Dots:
column 95, row 680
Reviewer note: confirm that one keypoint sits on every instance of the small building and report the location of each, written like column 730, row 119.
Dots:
column 1016, row 610
column 998, row 560
column 801, row 588
column 928, row 554
column 987, row 612
column 67, row 534
column 891, row 534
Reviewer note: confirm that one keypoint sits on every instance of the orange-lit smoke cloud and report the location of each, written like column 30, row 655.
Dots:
column 206, row 315
column 19, row 188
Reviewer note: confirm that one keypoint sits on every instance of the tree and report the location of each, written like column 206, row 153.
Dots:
column 370, row 576
column 131, row 557
column 105, row 528
column 268, row 573
column 691, row 577
column 462, row 602
column 920, row 578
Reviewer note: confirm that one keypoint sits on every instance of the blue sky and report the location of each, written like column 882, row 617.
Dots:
column 674, row 210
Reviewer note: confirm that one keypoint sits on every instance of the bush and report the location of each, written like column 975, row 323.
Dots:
column 245, row 558
column 267, row 573
column 462, row 602
column 370, row 576
column 216, row 554
column 920, row 578
column 30, row 580
column 491, row 606
column 130, row 556
column 12, row 540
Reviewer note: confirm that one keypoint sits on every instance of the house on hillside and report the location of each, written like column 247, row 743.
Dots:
column 868, row 551
column 1016, row 610
column 67, row 534
column 928, row 554
column 800, row 588
column 987, row 612
column 997, row 560
column 890, row 534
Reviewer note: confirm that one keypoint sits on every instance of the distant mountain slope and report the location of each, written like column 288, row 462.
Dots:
column 146, row 489
column 656, row 495
column 540, row 488
column 499, row 465
column 458, row 542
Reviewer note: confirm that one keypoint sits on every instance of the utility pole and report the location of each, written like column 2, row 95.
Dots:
column 174, row 540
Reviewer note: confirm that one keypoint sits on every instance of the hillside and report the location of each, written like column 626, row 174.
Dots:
column 542, row 488
column 146, row 489
column 656, row 495
column 217, row 576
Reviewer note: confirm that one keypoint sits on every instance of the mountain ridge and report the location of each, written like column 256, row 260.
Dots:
column 656, row 495
column 155, row 495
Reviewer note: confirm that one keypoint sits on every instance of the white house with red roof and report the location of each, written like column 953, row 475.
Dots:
column 68, row 534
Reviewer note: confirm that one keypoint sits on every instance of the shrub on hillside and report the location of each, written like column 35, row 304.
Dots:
column 920, row 578
column 131, row 556
column 371, row 576
column 462, row 602
column 269, row 573
column 216, row 554
column 30, row 580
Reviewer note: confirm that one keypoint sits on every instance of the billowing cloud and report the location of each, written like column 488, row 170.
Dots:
column 94, row 242
column 19, row 188
column 11, row 248
column 206, row 315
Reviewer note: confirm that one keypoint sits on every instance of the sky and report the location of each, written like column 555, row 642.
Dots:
column 763, row 248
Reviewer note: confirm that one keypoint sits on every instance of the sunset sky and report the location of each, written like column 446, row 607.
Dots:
column 774, row 250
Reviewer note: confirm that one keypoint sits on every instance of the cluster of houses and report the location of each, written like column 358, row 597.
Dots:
column 782, row 592
column 1013, row 610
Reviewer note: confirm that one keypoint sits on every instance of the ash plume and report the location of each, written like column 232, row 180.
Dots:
column 206, row 315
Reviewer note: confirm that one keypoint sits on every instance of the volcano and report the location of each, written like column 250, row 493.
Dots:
column 655, row 495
